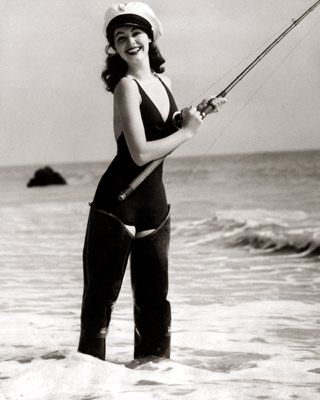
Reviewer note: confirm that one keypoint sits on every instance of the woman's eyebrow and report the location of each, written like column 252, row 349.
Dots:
column 131, row 30
column 119, row 33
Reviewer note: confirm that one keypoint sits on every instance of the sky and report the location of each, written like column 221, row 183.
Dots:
column 54, row 107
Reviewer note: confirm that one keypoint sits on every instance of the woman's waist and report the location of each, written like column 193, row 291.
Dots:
column 120, row 176
column 147, row 196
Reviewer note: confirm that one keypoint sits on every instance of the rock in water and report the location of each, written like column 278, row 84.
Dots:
column 46, row 176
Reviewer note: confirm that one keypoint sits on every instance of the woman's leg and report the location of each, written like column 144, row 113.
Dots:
column 149, row 277
column 106, row 251
column 144, row 233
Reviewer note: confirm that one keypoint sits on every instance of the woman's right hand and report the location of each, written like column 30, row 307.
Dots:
column 191, row 119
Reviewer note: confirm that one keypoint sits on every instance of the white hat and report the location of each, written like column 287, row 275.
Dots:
column 134, row 13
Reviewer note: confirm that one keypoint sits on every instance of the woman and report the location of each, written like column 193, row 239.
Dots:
column 140, row 225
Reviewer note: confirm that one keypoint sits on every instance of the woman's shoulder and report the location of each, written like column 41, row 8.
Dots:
column 126, row 86
column 125, row 83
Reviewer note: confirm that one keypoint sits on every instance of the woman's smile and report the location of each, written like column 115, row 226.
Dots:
column 133, row 50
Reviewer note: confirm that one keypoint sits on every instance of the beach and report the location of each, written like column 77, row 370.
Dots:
column 244, row 285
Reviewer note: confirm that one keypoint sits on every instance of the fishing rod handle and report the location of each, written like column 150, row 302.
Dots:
column 139, row 179
column 177, row 116
column 124, row 194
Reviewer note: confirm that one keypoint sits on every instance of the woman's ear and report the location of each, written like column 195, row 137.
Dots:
column 111, row 51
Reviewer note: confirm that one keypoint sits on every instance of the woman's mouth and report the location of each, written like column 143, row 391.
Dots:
column 133, row 50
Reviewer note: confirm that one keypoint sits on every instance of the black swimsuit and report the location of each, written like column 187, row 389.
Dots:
column 147, row 206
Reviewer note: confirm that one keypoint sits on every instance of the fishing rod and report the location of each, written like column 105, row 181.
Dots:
column 177, row 117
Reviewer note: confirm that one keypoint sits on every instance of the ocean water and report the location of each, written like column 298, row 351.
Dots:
column 244, row 285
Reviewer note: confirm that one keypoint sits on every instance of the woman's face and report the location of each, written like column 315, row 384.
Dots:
column 131, row 42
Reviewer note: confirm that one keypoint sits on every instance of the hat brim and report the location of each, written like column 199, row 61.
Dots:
column 128, row 20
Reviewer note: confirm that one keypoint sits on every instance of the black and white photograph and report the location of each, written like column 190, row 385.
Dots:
column 159, row 209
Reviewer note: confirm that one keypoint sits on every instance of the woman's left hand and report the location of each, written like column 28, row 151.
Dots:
column 211, row 105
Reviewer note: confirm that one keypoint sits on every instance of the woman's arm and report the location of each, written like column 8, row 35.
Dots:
column 127, row 105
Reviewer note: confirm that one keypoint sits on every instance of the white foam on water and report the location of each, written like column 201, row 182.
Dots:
column 251, row 349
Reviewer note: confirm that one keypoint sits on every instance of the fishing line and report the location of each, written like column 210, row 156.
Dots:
column 236, row 66
column 205, row 153
column 240, row 62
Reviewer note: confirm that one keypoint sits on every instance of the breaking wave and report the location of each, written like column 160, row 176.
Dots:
column 261, row 231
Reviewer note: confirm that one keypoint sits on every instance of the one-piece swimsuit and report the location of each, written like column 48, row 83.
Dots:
column 147, row 206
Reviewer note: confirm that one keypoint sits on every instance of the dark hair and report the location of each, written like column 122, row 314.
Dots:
column 116, row 67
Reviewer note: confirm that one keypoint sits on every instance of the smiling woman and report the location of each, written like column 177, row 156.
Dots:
column 143, row 129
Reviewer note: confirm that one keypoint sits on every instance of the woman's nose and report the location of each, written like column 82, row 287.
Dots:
column 131, row 40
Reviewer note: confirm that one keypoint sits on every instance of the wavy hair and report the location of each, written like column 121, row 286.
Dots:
column 116, row 67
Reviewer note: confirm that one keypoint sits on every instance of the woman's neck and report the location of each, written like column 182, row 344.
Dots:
column 140, row 72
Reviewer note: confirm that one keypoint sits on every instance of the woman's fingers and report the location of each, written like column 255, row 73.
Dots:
column 192, row 118
column 216, row 103
column 190, row 112
column 213, row 104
